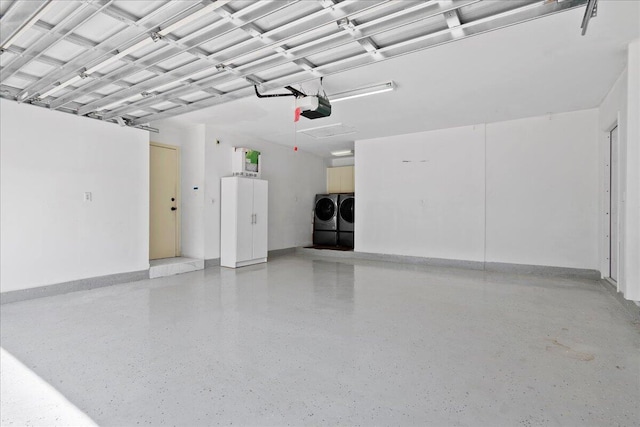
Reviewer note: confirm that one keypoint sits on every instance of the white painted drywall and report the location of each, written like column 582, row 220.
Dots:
column 542, row 190
column 190, row 139
column 49, row 234
column 632, row 196
column 294, row 179
column 218, row 161
column 422, row 194
column 622, row 106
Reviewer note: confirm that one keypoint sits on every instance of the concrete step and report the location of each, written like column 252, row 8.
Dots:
column 172, row 266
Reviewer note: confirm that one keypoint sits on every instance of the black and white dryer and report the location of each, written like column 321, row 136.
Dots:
column 346, row 219
column 325, row 220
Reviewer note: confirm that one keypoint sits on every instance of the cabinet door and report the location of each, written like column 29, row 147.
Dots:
column 347, row 180
column 333, row 180
column 244, row 220
column 260, row 210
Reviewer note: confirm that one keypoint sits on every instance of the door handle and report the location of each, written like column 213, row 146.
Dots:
column 256, row 218
column 173, row 208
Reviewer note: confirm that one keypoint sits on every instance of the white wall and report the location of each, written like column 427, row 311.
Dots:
column 622, row 106
column 294, row 179
column 423, row 194
column 542, row 190
column 632, row 196
column 49, row 235
column 190, row 139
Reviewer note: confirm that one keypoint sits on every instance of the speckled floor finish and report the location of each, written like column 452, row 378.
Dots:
column 304, row 341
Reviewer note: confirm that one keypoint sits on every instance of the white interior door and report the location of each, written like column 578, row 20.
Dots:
column 245, row 220
column 614, row 194
column 260, row 209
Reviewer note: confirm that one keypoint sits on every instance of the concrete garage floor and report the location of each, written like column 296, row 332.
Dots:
column 304, row 341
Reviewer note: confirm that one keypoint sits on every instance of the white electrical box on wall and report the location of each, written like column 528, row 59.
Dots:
column 246, row 162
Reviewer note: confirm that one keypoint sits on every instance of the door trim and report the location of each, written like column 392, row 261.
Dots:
column 607, row 203
column 178, row 194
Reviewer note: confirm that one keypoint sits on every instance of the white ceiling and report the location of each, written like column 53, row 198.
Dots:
column 537, row 67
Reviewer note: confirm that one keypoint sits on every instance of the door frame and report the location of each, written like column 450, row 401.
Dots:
column 178, row 194
column 607, row 203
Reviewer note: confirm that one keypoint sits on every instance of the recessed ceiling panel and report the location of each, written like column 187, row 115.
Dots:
column 337, row 54
column 196, row 96
column 6, row 58
column 64, row 50
column 328, row 131
column 176, row 61
column 18, row 81
column 138, row 113
column 108, row 90
column 36, row 68
column 284, row 16
column 140, row 76
column 226, row 46
column 163, row 105
column 27, row 38
column 278, row 72
column 100, row 28
column 61, row 11
column 141, row 8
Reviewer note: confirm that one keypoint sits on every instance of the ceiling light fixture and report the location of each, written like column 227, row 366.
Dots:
column 342, row 153
column 153, row 37
column 363, row 91
column 28, row 25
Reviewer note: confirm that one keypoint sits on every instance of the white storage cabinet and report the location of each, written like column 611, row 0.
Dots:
column 243, row 228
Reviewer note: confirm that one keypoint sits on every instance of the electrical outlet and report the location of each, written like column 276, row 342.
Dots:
column 87, row 196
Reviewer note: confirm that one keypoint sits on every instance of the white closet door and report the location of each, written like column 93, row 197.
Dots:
column 245, row 220
column 260, row 209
